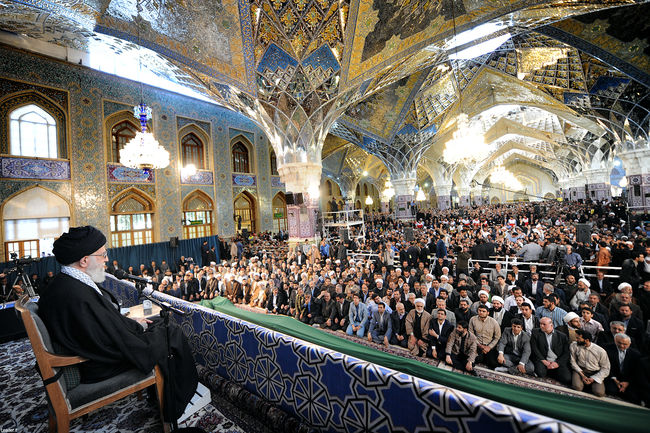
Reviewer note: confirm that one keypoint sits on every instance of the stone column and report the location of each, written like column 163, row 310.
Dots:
column 477, row 195
column 302, row 217
column 636, row 163
column 464, row 198
column 404, row 195
column 444, row 196
column 598, row 186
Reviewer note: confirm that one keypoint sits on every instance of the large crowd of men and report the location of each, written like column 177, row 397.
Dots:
column 571, row 309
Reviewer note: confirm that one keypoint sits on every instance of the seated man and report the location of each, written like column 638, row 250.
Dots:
column 381, row 326
column 358, row 317
column 625, row 379
column 276, row 302
column 340, row 313
column 85, row 320
column 514, row 349
column 327, row 306
column 311, row 313
column 590, row 364
column 461, row 348
column 550, row 351
column 417, row 328
column 439, row 331
column 488, row 333
column 400, row 337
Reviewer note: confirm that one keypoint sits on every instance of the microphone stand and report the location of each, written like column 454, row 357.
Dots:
column 165, row 312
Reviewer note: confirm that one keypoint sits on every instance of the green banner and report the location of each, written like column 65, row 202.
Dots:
column 593, row 414
column 278, row 215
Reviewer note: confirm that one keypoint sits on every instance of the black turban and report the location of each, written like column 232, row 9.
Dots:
column 78, row 242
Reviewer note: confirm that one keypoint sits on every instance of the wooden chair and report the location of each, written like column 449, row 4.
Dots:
column 68, row 401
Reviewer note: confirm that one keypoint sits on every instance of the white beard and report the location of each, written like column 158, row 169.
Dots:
column 96, row 273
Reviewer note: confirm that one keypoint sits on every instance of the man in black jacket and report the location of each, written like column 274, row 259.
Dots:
column 85, row 320
column 399, row 337
column 276, row 302
column 625, row 378
column 340, row 313
column 550, row 359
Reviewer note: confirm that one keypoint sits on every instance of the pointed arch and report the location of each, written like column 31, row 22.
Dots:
column 273, row 160
column 242, row 154
column 119, row 128
column 197, row 215
column 131, row 218
column 194, row 145
column 280, row 212
column 18, row 100
column 245, row 206
column 32, row 218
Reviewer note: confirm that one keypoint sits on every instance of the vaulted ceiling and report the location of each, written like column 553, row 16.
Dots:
column 376, row 85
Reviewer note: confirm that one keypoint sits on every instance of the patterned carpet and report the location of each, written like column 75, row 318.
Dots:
column 23, row 406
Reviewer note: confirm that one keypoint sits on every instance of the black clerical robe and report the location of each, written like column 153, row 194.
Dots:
column 87, row 324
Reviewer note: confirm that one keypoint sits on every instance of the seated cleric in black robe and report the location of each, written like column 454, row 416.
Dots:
column 84, row 319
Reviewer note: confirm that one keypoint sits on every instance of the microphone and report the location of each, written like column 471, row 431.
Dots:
column 121, row 274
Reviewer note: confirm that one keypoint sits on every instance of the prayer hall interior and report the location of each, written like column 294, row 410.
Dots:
column 374, row 215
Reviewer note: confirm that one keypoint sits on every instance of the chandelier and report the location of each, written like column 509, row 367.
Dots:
column 389, row 191
column 505, row 177
column 143, row 151
column 420, row 195
column 467, row 145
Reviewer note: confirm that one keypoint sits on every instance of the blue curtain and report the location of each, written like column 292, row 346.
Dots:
column 144, row 254
column 131, row 256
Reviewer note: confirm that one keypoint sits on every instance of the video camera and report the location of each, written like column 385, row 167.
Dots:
column 23, row 261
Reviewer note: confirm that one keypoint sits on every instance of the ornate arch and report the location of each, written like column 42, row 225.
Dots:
column 113, row 120
column 193, row 128
column 28, row 97
column 245, row 206
column 198, row 215
column 240, row 139
column 132, row 218
column 279, row 204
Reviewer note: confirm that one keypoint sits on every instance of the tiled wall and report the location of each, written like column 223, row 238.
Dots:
column 92, row 96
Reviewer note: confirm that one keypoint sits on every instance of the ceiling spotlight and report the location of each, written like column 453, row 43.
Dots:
column 365, row 173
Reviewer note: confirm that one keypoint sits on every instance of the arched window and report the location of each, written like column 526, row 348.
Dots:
column 131, row 220
column 240, row 160
column 279, row 212
column 365, row 189
column 121, row 133
column 274, row 163
column 358, row 190
column 244, row 212
column 32, row 220
column 197, row 216
column 33, row 132
column 192, row 151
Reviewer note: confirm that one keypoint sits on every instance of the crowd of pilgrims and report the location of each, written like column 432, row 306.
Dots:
column 437, row 296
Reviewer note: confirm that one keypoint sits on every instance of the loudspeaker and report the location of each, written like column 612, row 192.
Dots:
column 583, row 233
column 173, row 242
column 408, row 234
column 344, row 234
column 298, row 198
column 244, row 233
column 289, row 198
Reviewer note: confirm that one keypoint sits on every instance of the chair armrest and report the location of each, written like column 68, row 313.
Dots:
column 63, row 361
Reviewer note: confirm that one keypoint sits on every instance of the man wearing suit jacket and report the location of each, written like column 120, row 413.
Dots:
column 633, row 326
column 417, row 328
column 381, row 326
column 514, row 350
column 533, row 286
column 276, row 302
column 439, row 331
column 461, row 348
column 550, row 352
column 528, row 319
column 358, row 317
column 399, row 337
column 625, row 379
column 340, row 313
column 601, row 284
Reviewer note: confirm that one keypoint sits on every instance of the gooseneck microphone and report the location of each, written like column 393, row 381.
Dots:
column 121, row 274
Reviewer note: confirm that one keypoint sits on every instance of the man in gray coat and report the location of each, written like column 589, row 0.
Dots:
column 514, row 350
column 381, row 326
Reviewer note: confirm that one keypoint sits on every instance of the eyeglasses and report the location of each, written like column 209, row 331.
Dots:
column 104, row 254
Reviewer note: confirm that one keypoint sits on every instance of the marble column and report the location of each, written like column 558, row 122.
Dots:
column 477, row 196
column 404, row 195
column 302, row 178
column 444, row 196
column 464, row 198
column 636, row 163
column 598, row 186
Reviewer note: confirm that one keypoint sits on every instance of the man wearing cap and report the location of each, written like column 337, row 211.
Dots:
column 85, row 320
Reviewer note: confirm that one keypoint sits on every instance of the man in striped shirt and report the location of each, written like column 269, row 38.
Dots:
column 550, row 309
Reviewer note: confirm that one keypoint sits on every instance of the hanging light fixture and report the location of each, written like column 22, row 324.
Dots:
column 420, row 195
column 143, row 151
column 369, row 201
column 500, row 175
column 389, row 191
column 467, row 144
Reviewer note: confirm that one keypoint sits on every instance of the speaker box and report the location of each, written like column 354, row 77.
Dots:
column 298, row 198
column 408, row 234
column 583, row 233
column 344, row 234
column 173, row 242
column 244, row 233
column 289, row 198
